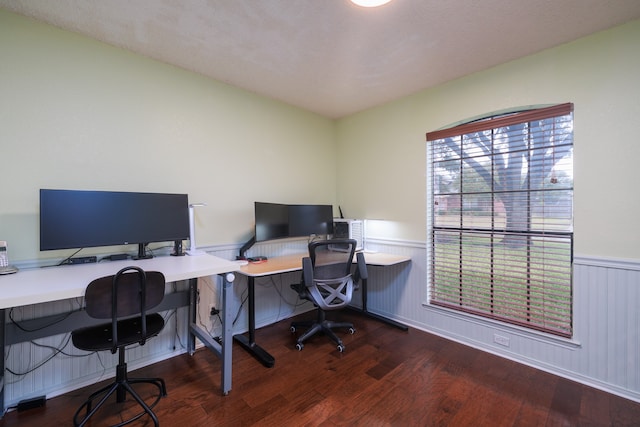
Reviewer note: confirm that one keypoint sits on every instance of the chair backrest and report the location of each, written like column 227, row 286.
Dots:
column 329, row 263
column 327, row 272
column 131, row 291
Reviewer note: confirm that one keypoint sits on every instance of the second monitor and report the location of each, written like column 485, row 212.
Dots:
column 279, row 221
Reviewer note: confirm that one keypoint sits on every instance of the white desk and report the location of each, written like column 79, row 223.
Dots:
column 63, row 282
column 289, row 263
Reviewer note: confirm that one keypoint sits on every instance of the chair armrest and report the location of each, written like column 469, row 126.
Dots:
column 307, row 271
column 361, row 270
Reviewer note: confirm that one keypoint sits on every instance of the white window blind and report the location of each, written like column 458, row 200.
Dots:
column 501, row 230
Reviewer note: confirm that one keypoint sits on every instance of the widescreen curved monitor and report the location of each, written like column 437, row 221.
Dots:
column 82, row 219
column 277, row 221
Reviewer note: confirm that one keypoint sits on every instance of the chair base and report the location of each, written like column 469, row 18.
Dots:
column 321, row 325
column 121, row 387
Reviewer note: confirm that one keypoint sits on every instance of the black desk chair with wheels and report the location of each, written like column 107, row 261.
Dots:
column 327, row 282
column 125, row 298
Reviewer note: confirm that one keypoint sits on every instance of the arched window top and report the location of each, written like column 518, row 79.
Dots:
column 503, row 118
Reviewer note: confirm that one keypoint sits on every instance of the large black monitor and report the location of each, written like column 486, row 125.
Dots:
column 272, row 221
column 306, row 220
column 279, row 221
column 81, row 219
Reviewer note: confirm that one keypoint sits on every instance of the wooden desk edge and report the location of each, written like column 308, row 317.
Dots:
column 383, row 259
column 289, row 263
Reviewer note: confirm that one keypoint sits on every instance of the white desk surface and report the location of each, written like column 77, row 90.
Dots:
column 288, row 263
column 46, row 284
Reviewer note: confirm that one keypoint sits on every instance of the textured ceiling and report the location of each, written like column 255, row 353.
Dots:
column 330, row 56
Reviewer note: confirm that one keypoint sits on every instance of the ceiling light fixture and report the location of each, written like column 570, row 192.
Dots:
column 370, row 3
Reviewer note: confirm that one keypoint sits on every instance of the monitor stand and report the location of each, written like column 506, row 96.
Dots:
column 142, row 252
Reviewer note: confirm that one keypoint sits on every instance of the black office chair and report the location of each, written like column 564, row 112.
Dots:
column 327, row 282
column 125, row 298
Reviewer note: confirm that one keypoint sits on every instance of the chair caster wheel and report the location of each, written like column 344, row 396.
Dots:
column 340, row 348
column 352, row 331
column 299, row 346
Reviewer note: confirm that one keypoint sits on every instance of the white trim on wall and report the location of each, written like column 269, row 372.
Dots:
column 603, row 352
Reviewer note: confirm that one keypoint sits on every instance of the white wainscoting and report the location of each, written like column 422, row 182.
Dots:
column 52, row 366
column 274, row 298
column 604, row 352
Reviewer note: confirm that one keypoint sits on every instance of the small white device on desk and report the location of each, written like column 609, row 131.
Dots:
column 349, row 229
column 5, row 268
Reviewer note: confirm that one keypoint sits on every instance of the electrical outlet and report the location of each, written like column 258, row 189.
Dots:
column 502, row 340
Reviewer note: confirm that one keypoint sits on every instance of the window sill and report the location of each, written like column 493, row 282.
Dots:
column 501, row 327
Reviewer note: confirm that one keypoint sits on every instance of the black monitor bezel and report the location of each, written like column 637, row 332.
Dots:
column 310, row 220
column 72, row 219
column 273, row 221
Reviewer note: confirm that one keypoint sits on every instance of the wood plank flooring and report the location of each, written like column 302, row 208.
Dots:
column 386, row 377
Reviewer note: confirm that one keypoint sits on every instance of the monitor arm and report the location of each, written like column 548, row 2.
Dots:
column 246, row 247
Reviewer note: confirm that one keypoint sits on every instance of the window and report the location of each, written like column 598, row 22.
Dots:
column 501, row 218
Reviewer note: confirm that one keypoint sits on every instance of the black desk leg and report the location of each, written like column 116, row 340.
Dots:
column 249, row 343
column 2, row 355
column 193, row 314
column 363, row 311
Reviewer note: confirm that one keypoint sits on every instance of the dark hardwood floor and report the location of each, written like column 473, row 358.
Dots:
column 385, row 377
